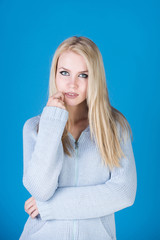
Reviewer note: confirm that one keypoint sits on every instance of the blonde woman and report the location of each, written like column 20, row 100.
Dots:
column 79, row 164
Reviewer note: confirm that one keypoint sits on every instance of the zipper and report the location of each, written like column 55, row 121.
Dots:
column 76, row 163
column 75, row 222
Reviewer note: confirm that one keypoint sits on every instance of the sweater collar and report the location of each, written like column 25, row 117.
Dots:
column 87, row 129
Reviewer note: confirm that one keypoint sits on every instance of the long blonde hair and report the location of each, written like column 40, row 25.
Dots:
column 107, row 124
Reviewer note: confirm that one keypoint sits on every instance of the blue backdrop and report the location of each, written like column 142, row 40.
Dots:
column 127, row 34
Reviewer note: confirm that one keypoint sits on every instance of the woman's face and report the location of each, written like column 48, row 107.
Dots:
column 72, row 76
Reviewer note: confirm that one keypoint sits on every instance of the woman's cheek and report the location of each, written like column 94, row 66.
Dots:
column 59, row 84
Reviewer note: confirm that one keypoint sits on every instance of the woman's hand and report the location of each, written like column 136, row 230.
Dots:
column 57, row 100
column 31, row 207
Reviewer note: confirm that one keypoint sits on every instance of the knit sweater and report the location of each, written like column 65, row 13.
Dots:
column 76, row 196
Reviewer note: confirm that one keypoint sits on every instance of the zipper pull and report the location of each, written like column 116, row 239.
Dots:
column 76, row 144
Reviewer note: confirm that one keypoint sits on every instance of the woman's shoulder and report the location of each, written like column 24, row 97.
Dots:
column 123, row 131
column 31, row 123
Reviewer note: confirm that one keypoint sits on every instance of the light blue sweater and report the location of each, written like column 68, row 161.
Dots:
column 76, row 196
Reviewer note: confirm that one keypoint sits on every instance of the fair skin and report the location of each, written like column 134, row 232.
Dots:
column 71, row 76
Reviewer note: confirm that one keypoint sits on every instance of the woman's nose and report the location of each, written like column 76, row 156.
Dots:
column 73, row 81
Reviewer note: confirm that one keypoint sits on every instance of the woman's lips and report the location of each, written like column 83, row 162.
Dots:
column 71, row 96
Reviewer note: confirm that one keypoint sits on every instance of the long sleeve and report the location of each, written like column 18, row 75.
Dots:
column 98, row 200
column 43, row 152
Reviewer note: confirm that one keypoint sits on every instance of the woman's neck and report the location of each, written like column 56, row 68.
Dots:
column 77, row 113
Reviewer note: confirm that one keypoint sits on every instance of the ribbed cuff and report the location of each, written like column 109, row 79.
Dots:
column 42, row 209
column 50, row 112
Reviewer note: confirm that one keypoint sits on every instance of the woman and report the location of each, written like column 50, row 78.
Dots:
column 79, row 164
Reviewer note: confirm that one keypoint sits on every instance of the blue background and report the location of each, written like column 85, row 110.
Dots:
column 127, row 34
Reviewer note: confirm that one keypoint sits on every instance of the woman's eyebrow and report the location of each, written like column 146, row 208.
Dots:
column 69, row 70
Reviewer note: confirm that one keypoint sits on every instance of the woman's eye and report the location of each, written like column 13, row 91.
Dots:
column 63, row 72
column 84, row 75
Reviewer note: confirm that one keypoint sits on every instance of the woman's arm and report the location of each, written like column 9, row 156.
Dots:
column 43, row 152
column 95, row 201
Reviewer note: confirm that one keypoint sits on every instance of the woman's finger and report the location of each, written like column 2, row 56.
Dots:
column 34, row 214
column 29, row 200
column 29, row 205
column 59, row 94
column 31, row 210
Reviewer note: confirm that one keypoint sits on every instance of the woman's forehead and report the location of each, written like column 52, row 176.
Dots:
column 70, row 59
